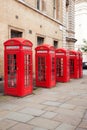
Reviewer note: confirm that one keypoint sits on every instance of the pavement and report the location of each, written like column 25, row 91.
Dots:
column 63, row 107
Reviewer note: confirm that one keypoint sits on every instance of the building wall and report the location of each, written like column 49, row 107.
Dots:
column 50, row 22
column 19, row 15
column 80, row 23
column 70, row 15
column 65, row 24
column 69, row 24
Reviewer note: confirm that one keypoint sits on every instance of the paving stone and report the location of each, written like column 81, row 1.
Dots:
column 53, row 108
column 83, row 124
column 36, row 105
column 3, row 113
column 7, row 106
column 72, row 120
column 69, row 112
column 38, row 128
column 65, row 127
column 79, row 102
column 80, row 129
column 44, row 123
column 5, row 124
column 85, row 117
column 49, row 115
column 19, row 117
column 51, row 103
column 21, row 126
column 32, row 111
column 68, row 106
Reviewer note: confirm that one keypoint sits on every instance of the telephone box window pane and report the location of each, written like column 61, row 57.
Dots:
column 27, row 70
column 59, row 67
column 12, row 70
column 41, row 69
column 71, row 66
column 53, row 68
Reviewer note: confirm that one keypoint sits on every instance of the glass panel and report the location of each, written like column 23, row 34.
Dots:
column 41, row 69
column 59, row 67
column 40, row 40
column 71, row 66
column 15, row 33
column 12, row 70
column 38, row 4
column 53, row 68
column 27, row 70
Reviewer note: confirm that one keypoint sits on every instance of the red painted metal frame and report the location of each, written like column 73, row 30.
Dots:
column 75, row 58
column 18, row 48
column 62, row 71
column 80, row 64
column 45, row 53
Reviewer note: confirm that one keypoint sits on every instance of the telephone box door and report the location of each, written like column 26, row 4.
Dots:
column 27, row 70
column 59, row 67
column 41, row 70
column 11, row 73
column 72, row 68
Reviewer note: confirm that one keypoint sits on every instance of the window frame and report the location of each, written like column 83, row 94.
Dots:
column 42, row 40
column 15, row 29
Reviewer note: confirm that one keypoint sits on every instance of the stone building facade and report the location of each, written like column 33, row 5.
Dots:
column 40, row 21
column 80, row 23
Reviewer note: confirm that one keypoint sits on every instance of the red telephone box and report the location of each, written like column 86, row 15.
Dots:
column 18, row 67
column 62, row 65
column 80, row 64
column 45, row 66
column 74, row 64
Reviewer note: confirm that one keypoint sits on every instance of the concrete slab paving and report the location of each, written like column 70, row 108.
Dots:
column 38, row 128
column 65, row 127
column 72, row 120
column 32, row 111
column 49, row 115
column 5, row 124
column 52, row 103
column 83, row 124
column 44, row 123
column 21, row 126
column 63, row 107
column 19, row 117
column 80, row 129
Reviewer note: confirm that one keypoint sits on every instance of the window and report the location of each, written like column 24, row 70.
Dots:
column 27, row 70
column 67, row 13
column 15, row 33
column 40, row 40
column 38, row 4
column 67, row 3
column 12, row 70
column 41, row 5
column 55, row 44
column 56, row 7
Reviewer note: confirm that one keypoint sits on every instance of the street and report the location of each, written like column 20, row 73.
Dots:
column 63, row 107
